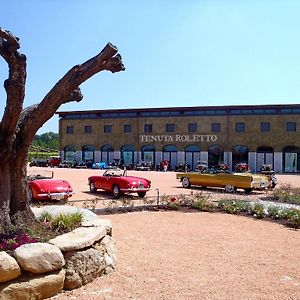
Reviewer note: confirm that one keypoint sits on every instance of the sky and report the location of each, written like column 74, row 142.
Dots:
column 176, row 53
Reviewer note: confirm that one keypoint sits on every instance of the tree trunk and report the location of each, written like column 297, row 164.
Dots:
column 19, row 126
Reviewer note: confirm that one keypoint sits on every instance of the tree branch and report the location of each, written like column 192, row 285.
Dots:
column 67, row 89
column 14, row 86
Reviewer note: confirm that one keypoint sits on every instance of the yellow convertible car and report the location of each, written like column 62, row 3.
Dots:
column 230, row 181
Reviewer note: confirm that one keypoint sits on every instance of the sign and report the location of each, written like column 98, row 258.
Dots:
column 186, row 138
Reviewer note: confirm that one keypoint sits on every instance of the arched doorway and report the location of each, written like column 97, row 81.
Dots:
column 215, row 155
column 291, row 159
column 88, row 152
column 264, row 155
column 70, row 152
column 192, row 155
column 107, row 153
column 239, row 154
column 127, row 154
column 148, row 153
column 170, row 154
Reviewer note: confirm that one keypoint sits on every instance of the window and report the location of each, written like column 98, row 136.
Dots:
column 291, row 126
column 265, row 127
column 148, row 128
column 70, row 129
column 88, row 129
column 240, row 127
column 170, row 127
column 127, row 128
column 216, row 127
column 107, row 128
column 192, row 127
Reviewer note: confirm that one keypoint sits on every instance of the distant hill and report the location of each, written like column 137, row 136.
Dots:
column 46, row 140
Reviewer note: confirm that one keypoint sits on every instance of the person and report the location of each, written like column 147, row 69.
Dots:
column 165, row 164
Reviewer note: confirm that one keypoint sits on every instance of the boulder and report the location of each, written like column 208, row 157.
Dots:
column 107, row 248
column 79, row 238
column 9, row 268
column 82, row 267
column 33, row 287
column 39, row 258
column 98, row 222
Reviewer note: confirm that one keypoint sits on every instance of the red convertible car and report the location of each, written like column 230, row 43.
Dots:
column 117, row 182
column 43, row 187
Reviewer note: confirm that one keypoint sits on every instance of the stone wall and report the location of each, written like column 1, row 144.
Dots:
column 42, row 270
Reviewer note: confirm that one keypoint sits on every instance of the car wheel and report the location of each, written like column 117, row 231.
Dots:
column 141, row 194
column 229, row 188
column 248, row 191
column 186, row 182
column 116, row 191
column 93, row 188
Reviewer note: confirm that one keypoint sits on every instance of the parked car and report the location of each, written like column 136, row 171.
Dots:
column 67, row 164
column 183, row 167
column 54, row 161
column 38, row 163
column 81, row 165
column 227, row 180
column 44, row 187
column 241, row 167
column 100, row 165
column 118, row 182
column 201, row 165
column 144, row 166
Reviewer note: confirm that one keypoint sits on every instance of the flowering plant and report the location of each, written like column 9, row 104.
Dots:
column 11, row 241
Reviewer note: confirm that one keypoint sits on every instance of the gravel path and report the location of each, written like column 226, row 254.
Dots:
column 194, row 255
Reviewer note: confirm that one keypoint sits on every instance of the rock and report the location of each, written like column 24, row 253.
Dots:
column 79, row 238
column 55, row 210
column 39, row 258
column 9, row 268
column 33, row 287
column 98, row 222
column 108, row 249
column 82, row 267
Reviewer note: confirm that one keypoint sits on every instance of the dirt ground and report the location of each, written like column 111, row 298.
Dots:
column 193, row 255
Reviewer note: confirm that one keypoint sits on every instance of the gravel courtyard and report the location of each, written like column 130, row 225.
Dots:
column 193, row 255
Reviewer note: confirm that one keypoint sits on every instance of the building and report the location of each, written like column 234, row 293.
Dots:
column 255, row 134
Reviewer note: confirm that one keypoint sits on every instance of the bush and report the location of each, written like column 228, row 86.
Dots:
column 15, row 239
column 287, row 194
column 258, row 211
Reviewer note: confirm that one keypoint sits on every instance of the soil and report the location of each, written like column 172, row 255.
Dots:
column 190, row 254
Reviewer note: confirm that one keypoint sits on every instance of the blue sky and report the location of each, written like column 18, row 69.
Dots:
column 184, row 53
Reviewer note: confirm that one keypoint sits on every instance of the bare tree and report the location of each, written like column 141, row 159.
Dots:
column 19, row 125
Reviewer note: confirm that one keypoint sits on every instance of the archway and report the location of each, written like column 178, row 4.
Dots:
column 215, row 155
column 170, row 154
column 291, row 159
column 148, row 153
column 264, row 155
column 88, row 152
column 192, row 155
column 70, row 152
column 239, row 154
column 107, row 153
column 127, row 154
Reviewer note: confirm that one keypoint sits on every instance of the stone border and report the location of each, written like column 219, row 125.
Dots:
column 69, row 261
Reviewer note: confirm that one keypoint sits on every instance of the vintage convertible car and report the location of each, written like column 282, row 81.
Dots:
column 118, row 182
column 144, row 166
column 230, row 181
column 44, row 187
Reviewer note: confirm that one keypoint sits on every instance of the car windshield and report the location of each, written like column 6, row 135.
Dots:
column 114, row 172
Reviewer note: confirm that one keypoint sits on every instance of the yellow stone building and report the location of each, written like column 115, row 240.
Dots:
column 255, row 134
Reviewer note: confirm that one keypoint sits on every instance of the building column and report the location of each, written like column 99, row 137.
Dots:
column 204, row 156
column 228, row 159
column 97, row 156
column 278, row 162
column 252, row 161
column 78, row 156
column 62, row 154
column 180, row 156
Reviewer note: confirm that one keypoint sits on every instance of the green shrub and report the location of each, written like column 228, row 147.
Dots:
column 287, row 194
column 203, row 205
column 294, row 218
column 258, row 211
column 274, row 212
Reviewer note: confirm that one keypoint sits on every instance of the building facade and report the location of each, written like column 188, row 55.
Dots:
column 255, row 134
